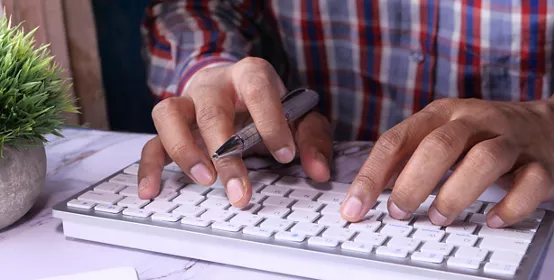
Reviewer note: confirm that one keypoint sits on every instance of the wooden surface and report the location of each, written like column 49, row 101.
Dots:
column 68, row 26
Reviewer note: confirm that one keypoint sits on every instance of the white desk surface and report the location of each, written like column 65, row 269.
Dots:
column 36, row 248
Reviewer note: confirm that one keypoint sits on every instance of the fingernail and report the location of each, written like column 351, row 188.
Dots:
column 352, row 207
column 201, row 173
column 143, row 184
column 284, row 155
column 495, row 222
column 436, row 217
column 397, row 213
column 235, row 190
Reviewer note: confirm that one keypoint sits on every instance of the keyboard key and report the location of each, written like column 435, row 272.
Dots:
column 303, row 194
column 332, row 220
column 246, row 219
column 427, row 234
column 424, row 222
column 382, row 207
column 80, row 204
column 396, row 230
column 405, row 243
column 192, row 221
column 257, row 187
column 391, row 252
column 278, row 201
column 499, row 268
column 322, row 241
column 475, row 207
column 537, row 215
column 357, row 246
column 100, row 198
column 463, row 263
column 273, row 211
column 371, row 238
column 480, row 219
column 161, row 206
column 458, row 226
column 273, row 190
column 125, row 179
column 333, row 209
column 290, row 236
column 437, row 248
column 114, row 209
column 503, row 244
column 531, row 225
column 109, row 187
column 341, row 234
column 172, row 185
column 521, row 235
column 188, row 210
column 195, row 189
column 135, row 212
column 214, row 203
column 331, row 198
column 217, row 193
column 257, row 198
column 173, row 167
column 188, row 199
column 256, row 231
column 307, row 205
column 427, row 257
column 216, row 215
column 227, row 226
column 166, row 217
column 369, row 223
column 461, row 239
column 262, row 177
column 130, row 191
column 249, row 208
column 303, row 216
column 307, row 184
column 307, row 228
column 276, row 224
column 133, row 202
column 506, row 258
column 471, row 253
column 166, row 195
column 392, row 221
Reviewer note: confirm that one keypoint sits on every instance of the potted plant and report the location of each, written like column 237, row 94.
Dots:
column 33, row 98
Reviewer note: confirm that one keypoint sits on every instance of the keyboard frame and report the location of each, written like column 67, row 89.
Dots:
column 317, row 262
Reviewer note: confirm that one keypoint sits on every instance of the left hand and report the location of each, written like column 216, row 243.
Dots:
column 481, row 141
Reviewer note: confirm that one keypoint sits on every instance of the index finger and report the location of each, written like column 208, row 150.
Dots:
column 390, row 150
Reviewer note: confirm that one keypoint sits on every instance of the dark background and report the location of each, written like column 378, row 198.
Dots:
column 129, row 102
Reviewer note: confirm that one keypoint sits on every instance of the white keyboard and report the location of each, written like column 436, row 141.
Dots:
column 293, row 226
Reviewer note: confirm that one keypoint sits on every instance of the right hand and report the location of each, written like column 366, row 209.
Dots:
column 217, row 103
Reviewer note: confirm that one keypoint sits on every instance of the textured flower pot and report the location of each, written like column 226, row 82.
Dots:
column 22, row 175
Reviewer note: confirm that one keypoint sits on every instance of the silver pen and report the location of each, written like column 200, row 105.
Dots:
column 295, row 104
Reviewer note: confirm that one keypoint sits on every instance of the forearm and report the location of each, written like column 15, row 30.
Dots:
column 181, row 37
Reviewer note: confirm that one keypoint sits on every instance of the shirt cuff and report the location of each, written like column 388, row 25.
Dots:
column 205, row 63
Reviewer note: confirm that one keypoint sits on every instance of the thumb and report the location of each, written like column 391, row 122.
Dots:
column 314, row 140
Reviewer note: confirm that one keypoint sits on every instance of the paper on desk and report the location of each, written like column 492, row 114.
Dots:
column 120, row 273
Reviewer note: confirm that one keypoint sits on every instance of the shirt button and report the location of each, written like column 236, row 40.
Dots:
column 418, row 56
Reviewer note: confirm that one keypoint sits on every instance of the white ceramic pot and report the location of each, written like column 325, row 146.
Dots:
column 22, row 175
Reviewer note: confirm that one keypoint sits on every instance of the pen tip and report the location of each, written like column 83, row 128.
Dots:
column 215, row 156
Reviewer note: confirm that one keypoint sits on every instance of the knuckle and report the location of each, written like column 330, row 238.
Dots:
column 440, row 143
column 484, row 158
column 390, row 142
column 209, row 114
column 365, row 182
column 178, row 151
column 448, row 205
column 164, row 109
column 255, row 63
column 404, row 197
column 514, row 210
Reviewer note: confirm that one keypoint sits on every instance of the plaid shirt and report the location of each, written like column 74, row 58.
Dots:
column 374, row 63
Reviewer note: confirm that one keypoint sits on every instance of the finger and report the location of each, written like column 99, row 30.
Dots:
column 532, row 186
column 215, row 118
column 260, row 88
column 315, row 146
column 152, row 161
column 392, row 148
column 483, row 164
column 172, row 119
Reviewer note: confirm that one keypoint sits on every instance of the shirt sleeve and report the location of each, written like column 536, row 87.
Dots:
column 181, row 37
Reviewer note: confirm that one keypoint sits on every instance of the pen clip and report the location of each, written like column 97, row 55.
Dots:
column 290, row 94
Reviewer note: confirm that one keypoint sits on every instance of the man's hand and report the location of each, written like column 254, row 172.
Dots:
column 481, row 140
column 217, row 103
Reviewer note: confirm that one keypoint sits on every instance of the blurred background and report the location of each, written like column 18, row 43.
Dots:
column 98, row 42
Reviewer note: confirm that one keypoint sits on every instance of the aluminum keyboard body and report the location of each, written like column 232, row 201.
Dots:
column 292, row 226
